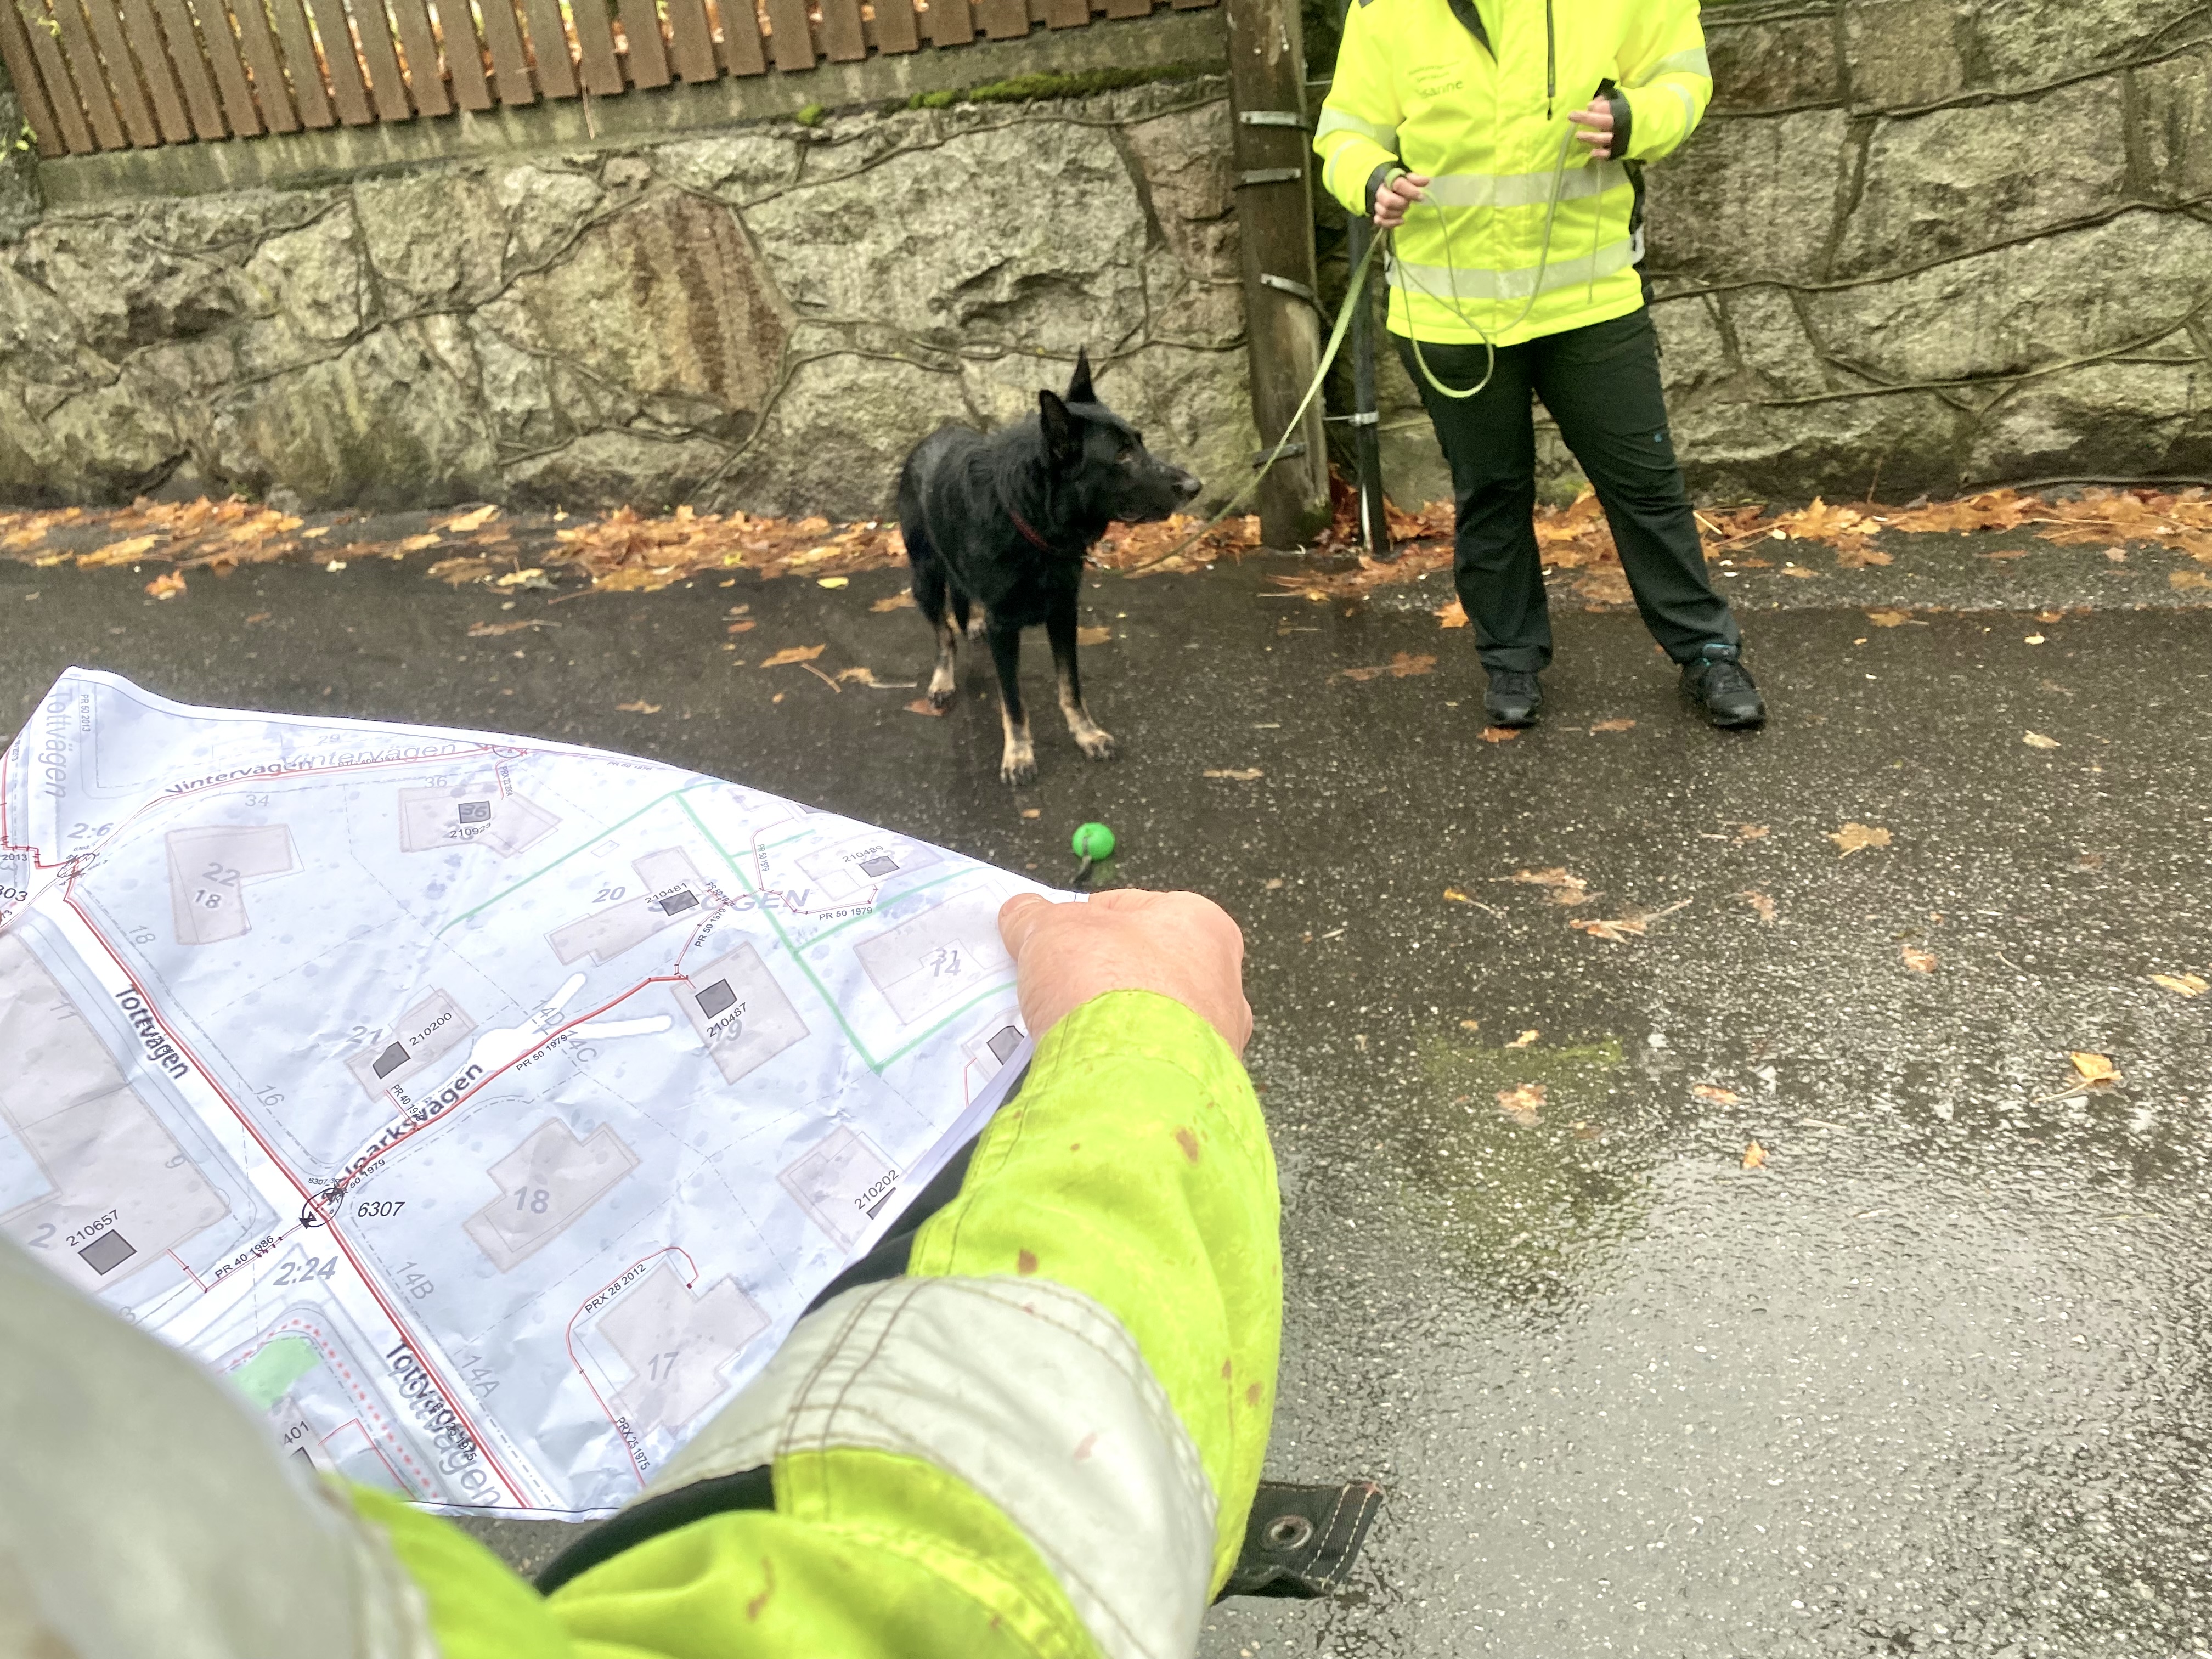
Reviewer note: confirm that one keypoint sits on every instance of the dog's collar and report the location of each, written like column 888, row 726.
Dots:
column 1028, row 534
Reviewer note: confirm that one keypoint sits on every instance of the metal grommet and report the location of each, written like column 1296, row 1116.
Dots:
column 1289, row 1532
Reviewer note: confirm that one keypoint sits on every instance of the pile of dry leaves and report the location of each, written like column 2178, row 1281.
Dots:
column 625, row 552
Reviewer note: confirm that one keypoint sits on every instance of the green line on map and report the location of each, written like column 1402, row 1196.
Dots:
column 674, row 795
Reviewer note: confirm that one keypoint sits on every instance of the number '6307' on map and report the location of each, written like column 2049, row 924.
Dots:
column 486, row 1110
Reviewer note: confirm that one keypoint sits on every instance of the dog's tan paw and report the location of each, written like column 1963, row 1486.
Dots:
column 940, row 696
column 1097, row 743
column 1018, row 767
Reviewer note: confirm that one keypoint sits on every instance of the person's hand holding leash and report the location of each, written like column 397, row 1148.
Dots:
column 1398, row 193
column 1595, row 120
column 1178, row 944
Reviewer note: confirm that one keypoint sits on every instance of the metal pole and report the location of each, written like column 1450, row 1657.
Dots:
column 1367, row 446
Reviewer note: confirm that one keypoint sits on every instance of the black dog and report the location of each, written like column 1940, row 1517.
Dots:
column 1005, row 522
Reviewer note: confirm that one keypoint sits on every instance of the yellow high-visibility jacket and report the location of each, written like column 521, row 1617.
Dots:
column 1476, row 93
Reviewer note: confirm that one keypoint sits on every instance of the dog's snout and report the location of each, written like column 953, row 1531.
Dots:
column 1186, row 483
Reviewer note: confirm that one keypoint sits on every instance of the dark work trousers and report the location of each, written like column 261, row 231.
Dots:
column 1601, row 386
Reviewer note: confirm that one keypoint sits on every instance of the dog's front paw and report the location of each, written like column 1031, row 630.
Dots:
column 1097, row 743
column 1017, row 767
column 940, row 696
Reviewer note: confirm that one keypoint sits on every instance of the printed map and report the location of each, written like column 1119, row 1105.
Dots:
column 488, row 1109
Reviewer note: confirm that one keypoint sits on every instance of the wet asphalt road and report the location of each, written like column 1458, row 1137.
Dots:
column 1933, row 1379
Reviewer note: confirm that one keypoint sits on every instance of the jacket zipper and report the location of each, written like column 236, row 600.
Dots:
column 1551, row 62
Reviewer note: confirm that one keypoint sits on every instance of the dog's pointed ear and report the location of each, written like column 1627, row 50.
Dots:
column 1063, row 433
column 1078, row 389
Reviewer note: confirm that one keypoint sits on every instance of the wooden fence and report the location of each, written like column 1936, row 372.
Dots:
column 95, row 75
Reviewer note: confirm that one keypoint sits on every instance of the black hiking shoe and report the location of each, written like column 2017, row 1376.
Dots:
column 1513, row 698
column 1717, row 682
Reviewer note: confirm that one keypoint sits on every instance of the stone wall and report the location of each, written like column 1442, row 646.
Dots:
column 767, row 317
column 1924, row 244
column 19, row 167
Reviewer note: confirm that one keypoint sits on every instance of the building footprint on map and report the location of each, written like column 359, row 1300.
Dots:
column 739, row 1012
column 841, row 1182
column 672, row 891
column 929, row 959
column 209, row 869
column 677, row 1345
column 478, row 813
column 545, row 1186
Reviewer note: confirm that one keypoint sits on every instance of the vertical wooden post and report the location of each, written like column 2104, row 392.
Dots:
column 1274, row 223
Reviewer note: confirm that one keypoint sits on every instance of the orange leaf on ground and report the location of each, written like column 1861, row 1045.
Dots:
column 1858, row 558
column 2095, row 1069
column 744, row 625
column 1456, row 897
column 468, row 521
column 1520, row 1104
column 2037, row 740
column 1762, row 905
column 923, row 706
column 1453, row 615
column 1856, row 837
column 2181, row 985
column 123, row 552
column 167, row 585
column 641, row 707
column 2188, row 579
column 901, row 600
column 1618, row 930
column 1713, row 1094
column 1920, row 961
column 1754, row 1157
column 1614, row 726
column 1745, row 832
column 1889, row 618
column 1498, row 733
column 1406, row 664
column 1565, row 889
column 791, row 653
column 1524, row 1040
column 1093, row 635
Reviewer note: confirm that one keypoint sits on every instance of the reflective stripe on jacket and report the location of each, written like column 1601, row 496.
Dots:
column 1476, row 93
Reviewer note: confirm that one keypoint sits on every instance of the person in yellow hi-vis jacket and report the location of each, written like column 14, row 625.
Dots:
column 1040, row 1437
column 1500, row 142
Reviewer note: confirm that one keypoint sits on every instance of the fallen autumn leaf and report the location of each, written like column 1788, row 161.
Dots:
column 1715, row 1095
column 1754, row 1157
column 641, row 707
column 2095, row 1069
column 1245, row 777
column 1762, row 905
column 791, row 653
column 923, row 706
column 1524, row 1040
column 1520, row 1104
column 2037, row 740
column 1614, row 726
column 1565, row 889
column 1498, row 733
column 1920, row 961
column 1093, row 635
column 1456, row 897
column 1855, row 837
column 901, row 600
column 2181, row 985
column 1452, row 616
column 468, row 521
column 167, row 585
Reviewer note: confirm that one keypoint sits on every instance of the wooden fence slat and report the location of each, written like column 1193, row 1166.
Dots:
column 596, row 38
column 347, row 90
column 549, row 48
column 83, row 58
column 306, row 77
column 690, row 47
column 426, row 83
column 1004, row 20
column 457, row 32
column 647, row 54
column 792, row 42
column 1195, row 5
column 221, row 47
column 739, row 48
column 951, row 23
column 373, row 31
column 23, row 71
column 142, row 37
column 895, row 26
column 1128, row 8
column 842, row 42
column 122, row 75
column 1067, row 14
column 510, row 70
column 188, row 58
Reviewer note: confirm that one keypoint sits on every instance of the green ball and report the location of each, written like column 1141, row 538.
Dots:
column 1093, row 841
